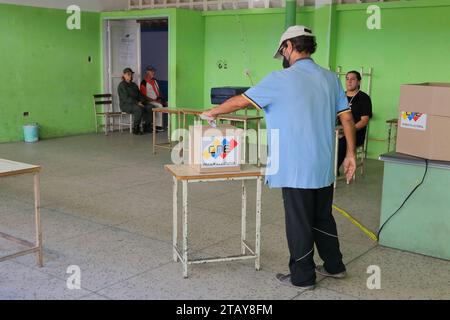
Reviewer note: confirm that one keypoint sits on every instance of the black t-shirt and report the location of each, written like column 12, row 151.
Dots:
column 361, row 105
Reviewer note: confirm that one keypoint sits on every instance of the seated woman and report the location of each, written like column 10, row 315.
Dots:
column 361, row 106
column 131, row 100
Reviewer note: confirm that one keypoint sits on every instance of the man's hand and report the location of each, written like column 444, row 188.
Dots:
column 140, row 104
column 349, row 167
column 208, row 114
column 233, row 104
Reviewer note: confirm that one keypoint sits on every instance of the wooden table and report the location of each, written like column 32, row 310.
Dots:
column 12, row 168
column 186, row 174
column 170, row 112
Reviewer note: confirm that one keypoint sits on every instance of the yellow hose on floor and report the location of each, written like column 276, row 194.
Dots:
column 369, row 233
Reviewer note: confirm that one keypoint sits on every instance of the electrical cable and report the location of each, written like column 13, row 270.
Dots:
column 410, row 194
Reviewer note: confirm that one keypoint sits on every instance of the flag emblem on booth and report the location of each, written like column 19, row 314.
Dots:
column 219, row 148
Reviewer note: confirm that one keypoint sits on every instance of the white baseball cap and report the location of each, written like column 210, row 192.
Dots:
column 292, row 32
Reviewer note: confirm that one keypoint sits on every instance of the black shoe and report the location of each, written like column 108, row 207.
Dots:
column 147, row 129
column 137, row 131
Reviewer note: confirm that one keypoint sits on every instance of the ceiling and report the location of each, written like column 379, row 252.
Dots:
column 113, row 5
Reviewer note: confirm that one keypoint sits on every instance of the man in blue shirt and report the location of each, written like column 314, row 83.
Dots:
column 301, row 103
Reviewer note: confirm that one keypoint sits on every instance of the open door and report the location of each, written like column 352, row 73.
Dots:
column 124, row 50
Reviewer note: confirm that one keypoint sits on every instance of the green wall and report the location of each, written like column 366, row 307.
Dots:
column 46, row 71
column 245, row 40
column 190, row 56
column 54, row 82
column 412, row 46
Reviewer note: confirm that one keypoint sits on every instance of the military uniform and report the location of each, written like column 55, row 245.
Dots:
column 129, row 97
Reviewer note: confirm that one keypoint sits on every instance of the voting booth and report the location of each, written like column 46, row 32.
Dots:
column 424, row 121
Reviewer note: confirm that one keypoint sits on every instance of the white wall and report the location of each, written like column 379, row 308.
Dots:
column 86, row 5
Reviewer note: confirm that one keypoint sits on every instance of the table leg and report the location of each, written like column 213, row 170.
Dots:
column 389, row 137
column 258, row 143
column 175, row 219
column 169, row 116
column 179, row 125
column 185, row 231
column 245, row 141
column 37, row 207
column 258, row 224
column 244, row 217
column 154, row 131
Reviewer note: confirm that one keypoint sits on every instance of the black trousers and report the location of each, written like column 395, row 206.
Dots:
column 309, row 221
column 139, row 113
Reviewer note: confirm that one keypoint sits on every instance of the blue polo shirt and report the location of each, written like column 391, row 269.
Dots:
column 301, row 104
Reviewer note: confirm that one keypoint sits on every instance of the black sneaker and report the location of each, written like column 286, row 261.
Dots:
column 137, row 131
column 321, row 270
column 285, row 279
column 147, row 129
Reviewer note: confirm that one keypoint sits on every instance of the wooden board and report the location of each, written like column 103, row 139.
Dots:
column 231, row 117
column 11, row 168
column 187, row 172
column 166, row 110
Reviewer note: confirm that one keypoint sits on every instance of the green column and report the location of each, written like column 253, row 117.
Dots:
column 291, row 9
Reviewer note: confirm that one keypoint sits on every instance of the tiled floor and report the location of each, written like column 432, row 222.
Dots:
column 107, row 208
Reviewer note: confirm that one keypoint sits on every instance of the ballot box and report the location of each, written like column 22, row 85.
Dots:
column 215, row 149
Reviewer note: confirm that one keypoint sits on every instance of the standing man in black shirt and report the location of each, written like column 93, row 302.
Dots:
column 361, row 105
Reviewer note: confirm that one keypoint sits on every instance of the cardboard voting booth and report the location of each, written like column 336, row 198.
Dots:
column 215, row 149
column 424, row 121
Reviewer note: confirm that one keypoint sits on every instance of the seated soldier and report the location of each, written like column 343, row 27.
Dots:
column 132, row 101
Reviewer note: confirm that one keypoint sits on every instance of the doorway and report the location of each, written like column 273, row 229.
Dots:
column 136, row 44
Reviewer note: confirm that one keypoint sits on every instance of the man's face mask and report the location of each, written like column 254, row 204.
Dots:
column 286, row 63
